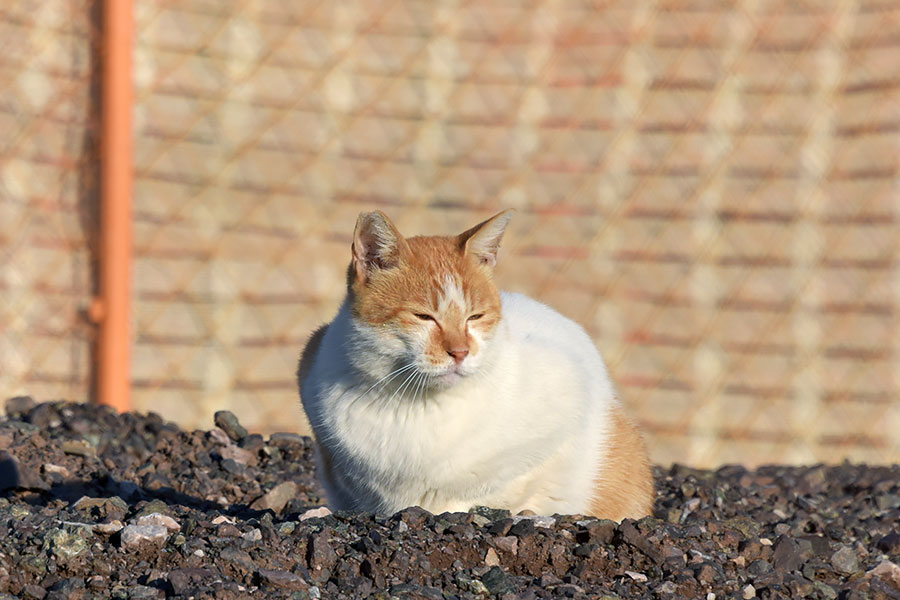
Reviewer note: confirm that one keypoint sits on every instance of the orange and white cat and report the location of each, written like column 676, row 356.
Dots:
column 432, row 388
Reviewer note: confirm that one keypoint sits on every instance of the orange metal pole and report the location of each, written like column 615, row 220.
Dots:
column 116, row 236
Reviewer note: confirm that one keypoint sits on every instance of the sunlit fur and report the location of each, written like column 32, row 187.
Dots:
column 432, row 388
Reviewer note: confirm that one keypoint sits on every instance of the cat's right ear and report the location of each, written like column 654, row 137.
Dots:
column 483, row 240
column 376, row 244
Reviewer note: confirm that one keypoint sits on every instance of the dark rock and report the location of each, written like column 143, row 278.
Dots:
column 45, row 416
column 673, row 557
column 501, row 527
column 570, row 590
column 786, row 554
column 635, row 538
column 145, row 592
column 9, row 472
column 411, row 591
column 154, row 506
column 799, row 587
column 598, row 532
column 185, row 579
column 281, row 579
column 235, row 468
column 13, row 475
column 523, row 528
column 746, row 526
column 708, row 573
column 819, row 545
column 228, row 422
column 414, row 517
column 19, row 406
column 549, row 580
column 33, row 591
column 321, row 555
column 585, row 550
column 361, row 586
column 496, row 581
column 813, row 481
column 240, row 559
column 252, row 443
column 759, row 568
column 890, row 543
column 71, row 588
column 753, row 549
column 824, row 591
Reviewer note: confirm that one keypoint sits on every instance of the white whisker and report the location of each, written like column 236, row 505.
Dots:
column 385, row 380
column 426, row 381
column 403, row 385
column 420, row 388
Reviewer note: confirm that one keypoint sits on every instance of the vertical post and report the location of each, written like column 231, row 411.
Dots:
column 116, row 239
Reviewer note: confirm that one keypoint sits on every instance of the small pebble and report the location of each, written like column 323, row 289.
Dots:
column 276, row 498
column 138, row 535
column 228, row 422
column 845, row 561
column 159, row 519
column 491, row 558
column 316, row 513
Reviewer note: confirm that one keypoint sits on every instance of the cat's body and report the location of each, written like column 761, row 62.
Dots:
column 430, row 388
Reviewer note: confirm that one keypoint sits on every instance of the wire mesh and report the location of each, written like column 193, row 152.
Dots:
column 47, row 196
column 709, row 188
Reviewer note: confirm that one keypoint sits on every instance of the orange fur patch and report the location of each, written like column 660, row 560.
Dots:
column 624, row 487
column 394, row 296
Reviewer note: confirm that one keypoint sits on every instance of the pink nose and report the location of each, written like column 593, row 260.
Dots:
column 458, row 354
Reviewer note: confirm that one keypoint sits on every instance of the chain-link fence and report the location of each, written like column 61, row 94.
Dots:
column 48, row 181
column 711, row 188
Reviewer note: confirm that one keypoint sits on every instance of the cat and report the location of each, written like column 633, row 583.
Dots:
column 432, row 388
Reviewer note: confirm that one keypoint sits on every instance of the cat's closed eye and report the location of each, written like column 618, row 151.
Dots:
column 475, row 317
column 423, row 316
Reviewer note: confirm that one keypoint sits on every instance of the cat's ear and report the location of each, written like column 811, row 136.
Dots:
column 483, row 241
column 376, row 244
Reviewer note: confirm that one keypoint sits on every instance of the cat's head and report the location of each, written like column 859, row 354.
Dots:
column 426, row 305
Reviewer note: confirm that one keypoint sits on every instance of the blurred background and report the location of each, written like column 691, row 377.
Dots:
column 711, row 188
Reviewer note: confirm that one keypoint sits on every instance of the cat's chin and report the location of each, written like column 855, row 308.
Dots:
column 447, row 379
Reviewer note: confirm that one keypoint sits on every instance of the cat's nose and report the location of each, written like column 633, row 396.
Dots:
column 458, row 354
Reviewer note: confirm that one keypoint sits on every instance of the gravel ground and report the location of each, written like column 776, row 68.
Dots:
column 95, row 504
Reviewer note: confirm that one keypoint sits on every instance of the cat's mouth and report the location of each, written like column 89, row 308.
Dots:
column 450, row 376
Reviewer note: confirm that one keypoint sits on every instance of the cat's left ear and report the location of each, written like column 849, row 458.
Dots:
column 376, row 244
column 483, row 241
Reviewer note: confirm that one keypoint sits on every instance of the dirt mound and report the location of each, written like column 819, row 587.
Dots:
column 96, row 504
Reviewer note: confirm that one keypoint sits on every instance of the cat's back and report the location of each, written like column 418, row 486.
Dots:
column 529, row 321
column 553, row 354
